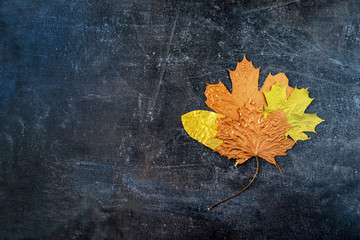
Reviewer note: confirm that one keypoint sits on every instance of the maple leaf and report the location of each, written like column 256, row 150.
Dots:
column 294, row 108
column 254, row 135
column 245, row 86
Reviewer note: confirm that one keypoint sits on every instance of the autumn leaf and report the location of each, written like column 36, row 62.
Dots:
column 245, row 86
column 294, row 108
column 201, row 126
column 249, row 122
column 254, row 135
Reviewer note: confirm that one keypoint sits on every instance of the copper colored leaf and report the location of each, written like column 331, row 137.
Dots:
column 254, row 135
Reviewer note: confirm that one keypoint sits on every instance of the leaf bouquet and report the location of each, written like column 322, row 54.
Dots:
column 249, row 122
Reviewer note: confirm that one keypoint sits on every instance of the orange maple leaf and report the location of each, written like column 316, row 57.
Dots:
column 254, row 135
column 245, row 86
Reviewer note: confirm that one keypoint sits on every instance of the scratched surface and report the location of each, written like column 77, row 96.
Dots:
column 91, row 142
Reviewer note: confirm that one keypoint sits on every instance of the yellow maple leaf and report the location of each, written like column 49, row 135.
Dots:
column 294, row 108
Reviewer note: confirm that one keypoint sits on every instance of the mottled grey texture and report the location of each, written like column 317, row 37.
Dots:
column 92, row 146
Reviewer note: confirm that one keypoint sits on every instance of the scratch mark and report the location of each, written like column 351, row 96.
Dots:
column 281, row 4
column 285, row 3
column 282, row 44
column 178, row 166
column 310, row 77
column 138, row 37
column 163, row 65
column 139, row 101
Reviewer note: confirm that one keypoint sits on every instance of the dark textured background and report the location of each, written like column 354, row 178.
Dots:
column 92, row 146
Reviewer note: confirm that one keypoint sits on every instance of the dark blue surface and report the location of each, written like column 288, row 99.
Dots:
column 91, row 142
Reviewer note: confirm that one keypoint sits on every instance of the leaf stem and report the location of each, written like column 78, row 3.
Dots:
column 222, row 201
column 277, row 165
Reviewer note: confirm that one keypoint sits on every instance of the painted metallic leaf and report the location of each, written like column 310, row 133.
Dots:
column 254, row 135
column 201, row 125
column 294, row 108
column 244, row 87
